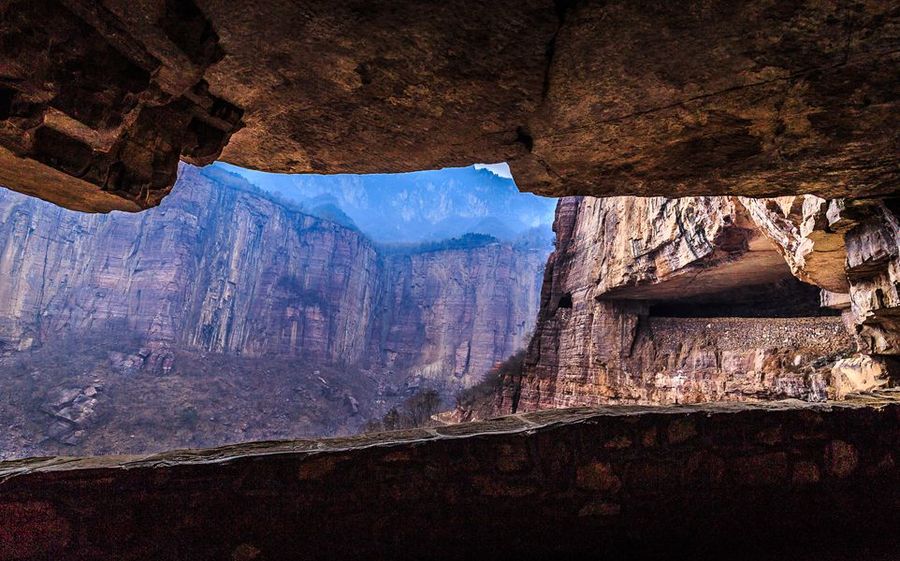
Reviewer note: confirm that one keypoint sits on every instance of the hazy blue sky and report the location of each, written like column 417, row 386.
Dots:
column 418, row 206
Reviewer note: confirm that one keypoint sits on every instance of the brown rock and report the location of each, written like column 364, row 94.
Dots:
column 582, row 98
column 681, row 430
column 856, row 374
column 841, row 458
column 600, row 508
column 245, row 552
column 512, row 458
column 655, row 301
column 32, row 529
column 843, row 246
column 805, row 473
column 763, row 469
column 316, row 468
column 598, row 476
column 216, row 503
column 808, row 231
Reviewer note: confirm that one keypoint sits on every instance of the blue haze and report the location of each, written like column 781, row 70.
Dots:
column 417, row 207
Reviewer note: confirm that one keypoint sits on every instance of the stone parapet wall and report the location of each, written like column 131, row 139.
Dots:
column 774, row 481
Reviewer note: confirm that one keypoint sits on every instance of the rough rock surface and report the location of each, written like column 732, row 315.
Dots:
column 224, row 269
column 766, row 482
column 873, row 267
column 96, row 110
column 848, row 247
column 100, row 99
column 457, row 312
column 109, row 392
column 672, row 301
column 809, row 233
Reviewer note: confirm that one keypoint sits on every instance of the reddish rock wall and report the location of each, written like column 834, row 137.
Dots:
column 848, row 247
column 743, row 327
column 224, row 269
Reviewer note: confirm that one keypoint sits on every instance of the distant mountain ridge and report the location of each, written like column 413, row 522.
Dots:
column 414, row 207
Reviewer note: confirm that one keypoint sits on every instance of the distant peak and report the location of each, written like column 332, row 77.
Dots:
column 500, row 169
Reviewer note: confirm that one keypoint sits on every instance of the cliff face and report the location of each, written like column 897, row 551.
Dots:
column 671, row 301
column 221, row 268
column 458, row 310
column 851, row 248
column 216, row 269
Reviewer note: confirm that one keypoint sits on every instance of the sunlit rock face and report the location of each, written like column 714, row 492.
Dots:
column 754, row 98
column 223, row 268
column 851, row 248
column 673, row 301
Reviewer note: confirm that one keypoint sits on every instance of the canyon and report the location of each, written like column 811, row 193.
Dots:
column 227, row 316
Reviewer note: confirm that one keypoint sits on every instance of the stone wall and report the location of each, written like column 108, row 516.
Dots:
column 765, row 482
column 692, row 360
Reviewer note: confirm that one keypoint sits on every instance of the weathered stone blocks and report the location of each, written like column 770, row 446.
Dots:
column 535, row 486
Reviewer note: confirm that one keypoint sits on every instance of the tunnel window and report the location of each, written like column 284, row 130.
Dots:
column 787, row 298
column 255, row 306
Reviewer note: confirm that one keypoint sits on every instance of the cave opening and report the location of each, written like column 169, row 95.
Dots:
column 786, row 298
column 239, row 314
column 313, row 305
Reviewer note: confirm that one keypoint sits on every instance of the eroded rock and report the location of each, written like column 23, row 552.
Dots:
column 694, row 299
column 100, row 100
column 98, row 104
column 673, row 301
column 223, row 269
column 857, row 374
column 851, row 248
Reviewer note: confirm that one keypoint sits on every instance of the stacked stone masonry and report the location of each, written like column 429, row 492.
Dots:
column 775, row 481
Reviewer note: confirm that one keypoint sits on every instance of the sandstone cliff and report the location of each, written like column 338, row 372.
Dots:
column 457, row 311
column 851, row 248
column 225, row 316
column 676, row 300
column 222, row 268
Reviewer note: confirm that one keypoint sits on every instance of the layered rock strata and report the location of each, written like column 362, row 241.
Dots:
column 851, row 248
column 706, row 482
column 680, row 300
column 223, row 268
column 99, row 100
column 96, row 110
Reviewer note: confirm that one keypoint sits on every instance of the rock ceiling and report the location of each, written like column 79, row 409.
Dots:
column 100, row 99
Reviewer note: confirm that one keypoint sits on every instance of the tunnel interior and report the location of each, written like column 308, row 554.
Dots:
column 783, row 299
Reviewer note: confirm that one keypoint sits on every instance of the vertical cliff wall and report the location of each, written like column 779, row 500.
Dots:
column 458, row 311
column 220, row 267
column 851, row 248
column 678, row 300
